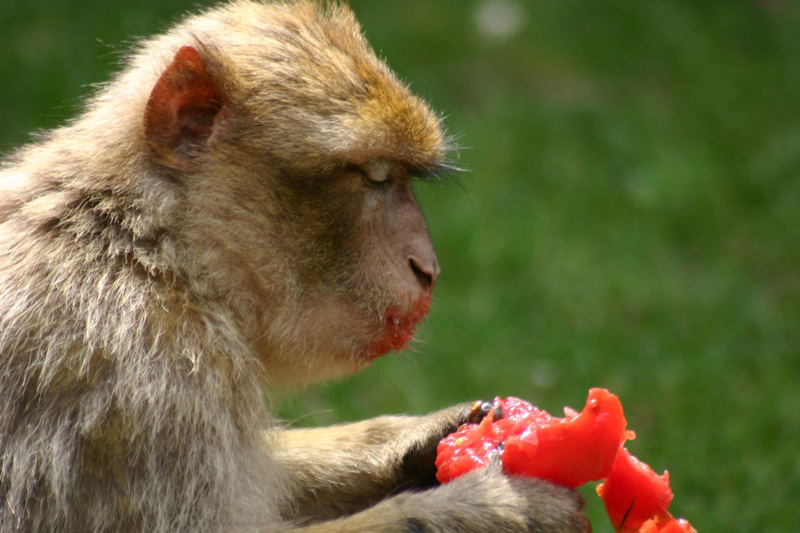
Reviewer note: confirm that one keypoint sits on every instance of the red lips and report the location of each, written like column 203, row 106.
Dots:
column 399, row 327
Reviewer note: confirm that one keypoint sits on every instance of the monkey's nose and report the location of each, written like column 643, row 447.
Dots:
column 426, row 270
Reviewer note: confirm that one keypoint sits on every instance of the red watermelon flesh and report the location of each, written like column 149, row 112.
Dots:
column 570, row 451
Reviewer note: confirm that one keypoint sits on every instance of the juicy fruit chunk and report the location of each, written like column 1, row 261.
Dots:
column 633, row 493
column 475, row 445
column 572, row 450
column 569, row 451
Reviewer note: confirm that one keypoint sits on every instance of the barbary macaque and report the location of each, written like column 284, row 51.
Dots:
column 232, row 212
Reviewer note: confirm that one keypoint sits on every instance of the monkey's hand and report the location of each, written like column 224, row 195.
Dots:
column 338, row 470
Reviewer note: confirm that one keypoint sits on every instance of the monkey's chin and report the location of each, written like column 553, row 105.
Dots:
column 398, row 327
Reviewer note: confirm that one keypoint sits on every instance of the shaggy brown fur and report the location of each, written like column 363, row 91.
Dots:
column 232, row 211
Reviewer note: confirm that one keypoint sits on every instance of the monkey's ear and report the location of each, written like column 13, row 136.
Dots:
column 180, row 114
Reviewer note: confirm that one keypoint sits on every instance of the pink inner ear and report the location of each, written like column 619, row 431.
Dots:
column 182, row 106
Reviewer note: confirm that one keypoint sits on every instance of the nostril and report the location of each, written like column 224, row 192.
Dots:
column 426, row 272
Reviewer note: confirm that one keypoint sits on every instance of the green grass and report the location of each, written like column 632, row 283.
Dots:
column 630, row 219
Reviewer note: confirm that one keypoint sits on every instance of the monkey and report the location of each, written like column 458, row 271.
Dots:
column 230, row 214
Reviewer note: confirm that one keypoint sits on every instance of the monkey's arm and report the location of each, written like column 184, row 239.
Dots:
column 481, row 501
column 338, row 470
column 342, row 477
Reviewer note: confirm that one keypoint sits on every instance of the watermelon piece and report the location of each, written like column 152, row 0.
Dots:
column 475, row 445
column 569, row 451
column 633, row 493
column 572, row 450
column 637, row 499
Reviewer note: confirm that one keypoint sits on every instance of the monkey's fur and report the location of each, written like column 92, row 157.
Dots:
column 232, row 211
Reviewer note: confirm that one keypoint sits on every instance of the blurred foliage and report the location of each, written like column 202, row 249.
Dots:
column 629, row 218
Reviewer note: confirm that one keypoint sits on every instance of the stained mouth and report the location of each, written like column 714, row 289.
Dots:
column 399, row 327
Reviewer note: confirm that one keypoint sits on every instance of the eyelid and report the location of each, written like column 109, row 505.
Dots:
column 378, row 171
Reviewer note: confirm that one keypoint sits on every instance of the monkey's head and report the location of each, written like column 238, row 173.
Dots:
column 294, row 148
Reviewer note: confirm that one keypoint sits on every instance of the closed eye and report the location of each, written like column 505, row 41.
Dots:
column 378, row 171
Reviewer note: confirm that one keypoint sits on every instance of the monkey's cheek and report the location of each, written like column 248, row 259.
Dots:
column 398, row 327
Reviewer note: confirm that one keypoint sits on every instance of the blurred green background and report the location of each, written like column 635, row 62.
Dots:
column 630, row 218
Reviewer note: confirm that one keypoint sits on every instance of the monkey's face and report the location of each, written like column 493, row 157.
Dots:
column 397, row 235
column 300, row 151
column 362, row 259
